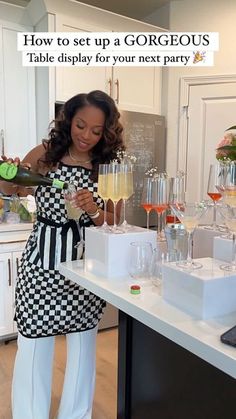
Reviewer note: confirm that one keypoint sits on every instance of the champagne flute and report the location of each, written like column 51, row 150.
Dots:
column 114, row 189
column 147, row 196
column 160, row 200
column 73, row 213
column 213, row 190
column 103, row 172
column 127, row 188
column 176, row 195
column 189, row 214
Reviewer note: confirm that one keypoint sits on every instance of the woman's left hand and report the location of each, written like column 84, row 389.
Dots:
column 84, row 200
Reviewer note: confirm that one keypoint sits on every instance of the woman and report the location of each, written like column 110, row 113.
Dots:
column 87, row 132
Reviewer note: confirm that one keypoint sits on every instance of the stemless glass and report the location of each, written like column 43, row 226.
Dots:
column 139, row 266
column 229, row 215
column 213, row 190
column 114, row 190
column 147, row 196
column 189, row 214
column 73, row 213
column 127, row 188
column 103, row 172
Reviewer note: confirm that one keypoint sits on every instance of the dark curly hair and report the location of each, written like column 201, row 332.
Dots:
column 60, row 135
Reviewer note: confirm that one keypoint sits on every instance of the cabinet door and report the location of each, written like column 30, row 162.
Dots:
column 137, row 89
column 73, row 80
column 17, row 99
column 16, row 256
column 6, row 306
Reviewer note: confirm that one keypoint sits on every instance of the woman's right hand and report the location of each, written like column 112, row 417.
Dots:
column 16, row 161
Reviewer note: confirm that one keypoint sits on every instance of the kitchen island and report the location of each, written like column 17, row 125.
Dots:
column 171, row 365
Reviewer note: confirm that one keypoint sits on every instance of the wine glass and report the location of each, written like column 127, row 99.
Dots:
column 189, row 214
column 213, row 190
column 160, row 200
column 127, row 188
column 229, row 215
column 114, row 189
column 147, row 196
column 73, row 213
column 176, row 195
column 228, row 183
column 139, row 266
column 103, row 172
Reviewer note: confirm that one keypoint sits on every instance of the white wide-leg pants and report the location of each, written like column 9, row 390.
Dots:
column 32, row 378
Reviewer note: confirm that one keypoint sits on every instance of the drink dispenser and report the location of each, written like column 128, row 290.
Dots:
column 176, row 238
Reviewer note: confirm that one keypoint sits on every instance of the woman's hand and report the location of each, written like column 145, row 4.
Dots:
column 84, row 200
column 16, row 161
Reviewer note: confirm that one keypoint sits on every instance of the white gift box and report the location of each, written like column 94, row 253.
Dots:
column 107, row 254
column 223, row 249
column 204, row 293
column 203, row 242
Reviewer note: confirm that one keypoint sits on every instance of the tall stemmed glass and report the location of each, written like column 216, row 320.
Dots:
column 176, row 195
column 103, row 172
column 160, row 200
column 114, row 189
column 213, row 190
column 147, row 196
column 127, row 188
column 228, row 187
column 73, row 213
column 189, row 214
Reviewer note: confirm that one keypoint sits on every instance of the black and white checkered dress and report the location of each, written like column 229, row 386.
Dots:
column 46, row 302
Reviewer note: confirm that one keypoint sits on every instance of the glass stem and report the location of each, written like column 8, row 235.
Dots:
column 148, row 212
column 124, row 206
column 158, row 224
column 234, row 252
column 190, row 248
column 214, row 214
column 105, row 213
column 114, row 222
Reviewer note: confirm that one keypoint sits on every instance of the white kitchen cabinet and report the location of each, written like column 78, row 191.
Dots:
column 133, row 88
column 6, row 302
column 12, row 242
column 17, row 99
column 9, row 263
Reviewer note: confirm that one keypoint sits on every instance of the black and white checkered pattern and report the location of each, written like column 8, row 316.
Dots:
column 46, row 302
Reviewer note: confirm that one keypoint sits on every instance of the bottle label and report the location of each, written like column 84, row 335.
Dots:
column 57, row 183
column 8, row 171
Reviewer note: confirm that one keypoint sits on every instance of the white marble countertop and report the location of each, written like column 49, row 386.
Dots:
column 201, row 337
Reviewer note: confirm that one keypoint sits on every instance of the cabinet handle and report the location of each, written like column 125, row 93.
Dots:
column 9, row 272
column 110, row 86
column 17, row 266
column 2, row 141
column 117, row 91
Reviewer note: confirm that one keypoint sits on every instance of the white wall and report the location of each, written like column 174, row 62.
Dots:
column 191, row 15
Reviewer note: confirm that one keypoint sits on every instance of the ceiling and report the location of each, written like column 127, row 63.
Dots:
column 132, row 8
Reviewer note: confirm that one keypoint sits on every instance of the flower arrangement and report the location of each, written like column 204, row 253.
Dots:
column 226, row 149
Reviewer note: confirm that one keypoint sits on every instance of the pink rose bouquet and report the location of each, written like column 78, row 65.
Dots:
column 226, row 149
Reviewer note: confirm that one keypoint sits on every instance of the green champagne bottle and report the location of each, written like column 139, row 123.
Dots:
column 24, row 177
